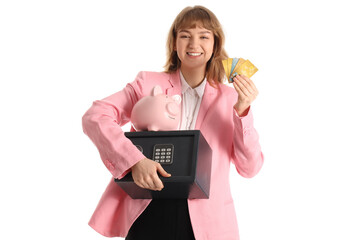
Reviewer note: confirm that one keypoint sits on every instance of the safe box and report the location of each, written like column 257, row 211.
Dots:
column 185, row 154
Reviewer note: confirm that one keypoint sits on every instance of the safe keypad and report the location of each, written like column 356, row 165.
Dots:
column 163, row 153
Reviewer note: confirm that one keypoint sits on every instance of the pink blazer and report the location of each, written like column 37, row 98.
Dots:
column 232, row 139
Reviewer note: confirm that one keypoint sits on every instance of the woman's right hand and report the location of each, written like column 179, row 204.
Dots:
column 145, row 174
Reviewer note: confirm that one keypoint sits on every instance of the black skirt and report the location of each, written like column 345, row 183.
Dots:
column 166, row 219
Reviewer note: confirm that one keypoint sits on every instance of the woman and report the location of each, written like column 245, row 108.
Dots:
column 221, row 113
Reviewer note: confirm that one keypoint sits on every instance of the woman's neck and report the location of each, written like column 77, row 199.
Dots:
column 193, row 77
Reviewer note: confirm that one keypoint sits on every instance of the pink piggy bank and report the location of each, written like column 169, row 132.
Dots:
column 156, row 112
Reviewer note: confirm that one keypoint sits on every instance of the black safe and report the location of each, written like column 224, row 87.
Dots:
column 184, row 154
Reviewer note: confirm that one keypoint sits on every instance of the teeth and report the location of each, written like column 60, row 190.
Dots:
column 194, row 54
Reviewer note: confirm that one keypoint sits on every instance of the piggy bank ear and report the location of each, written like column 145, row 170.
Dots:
column 176, row 98
column 156, row 91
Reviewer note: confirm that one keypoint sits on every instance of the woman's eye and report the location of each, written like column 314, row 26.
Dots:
column 204, row 37
column 184, row 36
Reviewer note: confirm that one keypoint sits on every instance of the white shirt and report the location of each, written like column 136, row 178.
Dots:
column 191, row 99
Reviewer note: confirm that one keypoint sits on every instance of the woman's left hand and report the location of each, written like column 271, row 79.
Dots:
column 247, row 92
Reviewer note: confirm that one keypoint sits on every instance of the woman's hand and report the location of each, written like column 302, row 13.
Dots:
column 145, row 174
column 247, row 92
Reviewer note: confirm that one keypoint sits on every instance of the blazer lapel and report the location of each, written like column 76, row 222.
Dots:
column 206, row 102
column 175, row 83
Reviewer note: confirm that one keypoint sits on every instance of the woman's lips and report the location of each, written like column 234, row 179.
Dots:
column 193, row 54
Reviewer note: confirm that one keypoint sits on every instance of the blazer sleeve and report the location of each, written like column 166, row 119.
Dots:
column 102, row 124
column 246, row 153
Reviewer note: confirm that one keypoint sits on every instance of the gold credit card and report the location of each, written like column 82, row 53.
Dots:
column 235, row 66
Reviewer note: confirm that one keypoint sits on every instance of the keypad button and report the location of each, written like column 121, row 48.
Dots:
column 163, row 153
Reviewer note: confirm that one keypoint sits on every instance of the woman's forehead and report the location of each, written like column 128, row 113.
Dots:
column 194, row 26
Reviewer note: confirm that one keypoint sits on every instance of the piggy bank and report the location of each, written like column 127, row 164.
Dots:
column 156, row 112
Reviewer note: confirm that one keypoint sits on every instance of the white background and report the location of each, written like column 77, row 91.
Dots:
column 56, row 57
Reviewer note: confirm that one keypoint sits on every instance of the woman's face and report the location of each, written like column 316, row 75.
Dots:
column 194, row 47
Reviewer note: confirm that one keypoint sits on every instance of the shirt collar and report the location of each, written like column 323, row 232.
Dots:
column 185, row 86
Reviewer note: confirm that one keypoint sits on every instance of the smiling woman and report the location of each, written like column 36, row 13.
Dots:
column 194, row 70
column 197, row 25
column 194, row 48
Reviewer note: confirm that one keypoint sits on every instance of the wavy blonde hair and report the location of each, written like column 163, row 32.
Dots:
column 190, row 17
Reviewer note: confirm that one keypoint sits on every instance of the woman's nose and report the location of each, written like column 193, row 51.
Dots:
column 193, row 43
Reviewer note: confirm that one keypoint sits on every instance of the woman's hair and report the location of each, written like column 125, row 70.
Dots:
column 190, row 17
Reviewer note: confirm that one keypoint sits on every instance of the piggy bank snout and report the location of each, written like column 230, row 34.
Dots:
column 172, row 108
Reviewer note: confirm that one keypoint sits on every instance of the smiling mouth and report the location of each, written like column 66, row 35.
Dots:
column 193, row 54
